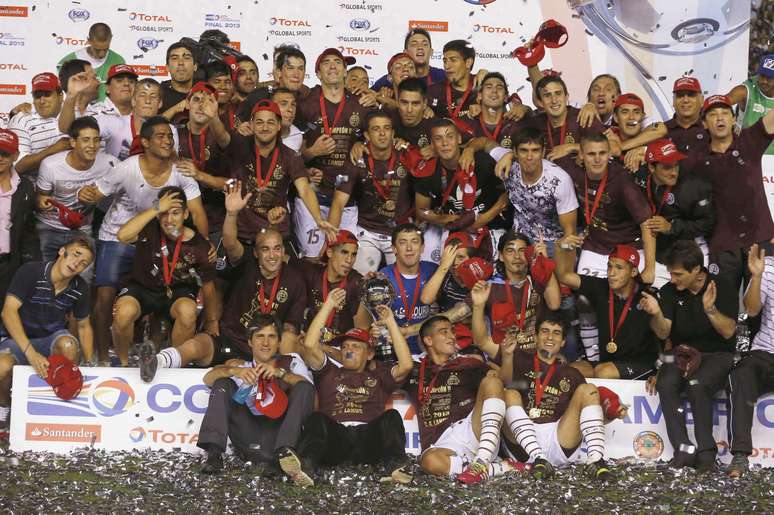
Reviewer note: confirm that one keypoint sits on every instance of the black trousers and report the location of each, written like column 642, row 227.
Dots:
column 700, row 389
column 257, row 437
column 752, row 377
column 324, row 441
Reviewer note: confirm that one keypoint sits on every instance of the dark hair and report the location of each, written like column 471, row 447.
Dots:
column 604, row 76
column 685, row 253
column 495, row 75
column 70, row 68
column 180, row 44
column 357, row 68
column 593, row 137
column 407, row 227
column 247, row 58
column 429, row 324
column 505, row 239
column 284, row 52
column 260, row 321
column 548, row 79
column 414, row 32
column 376, row 113
column 85, row 122
column 414, row 84
column 216, row 69
column 146, row 131
column 174, row 189
column 551, row 317
column 277, row 91
column 81, row 240
column 529, row 135
column 464, row 48
column 100, row 32
column 439, row 123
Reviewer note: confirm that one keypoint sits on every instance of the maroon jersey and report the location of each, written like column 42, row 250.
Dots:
column 270, row 190
column 208, row 157
column 571, row 129
column 418, row 135
column 350, row 396
column 382, row 194
column 503, row 133
column 447, row 393
column 252, row 295
column 438, row 101
column 345, row 130
column 557, row 393
column 621, row 209
column 192, row 267
column 692, row 140
column 736, row 176
column 343, row 320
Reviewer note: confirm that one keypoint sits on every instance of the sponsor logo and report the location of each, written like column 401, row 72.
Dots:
column 64, row 40
column 491, row 29
column 77, row 15
column 221, row 21
column 361, row 7
column 347, row 50
column 8, row 39
column 494, row 55
column 152, row 70
column 289, row 22
column 146, row 44
column 14, row 11
column 236, row 45
column 358, row 39
column 78, row 433
column 430, row 26
column 112, row 397
column 13, row 89
column 480, row 2
column 648, row 445
column 12, row 66
column 149, row 17
column 359, row 24
column 139, row 434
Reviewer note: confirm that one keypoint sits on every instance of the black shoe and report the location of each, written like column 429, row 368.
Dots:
column 213, row 464
column 705, row 463
column 682, row 459
column 149, row 363
column 599, row 470
column 739, row 465
column 290, row 464
column 542, row 469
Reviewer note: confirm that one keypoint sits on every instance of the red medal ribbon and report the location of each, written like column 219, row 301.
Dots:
column 589, row 216
column 492, row 135
column 325, row 289
column 372, row 167
column 403, row 297
column 261, row 181
column 131, row 125
column 622, row 316
column 649, row 196
column 540, row 387
column 522, row 320
column 166, row 268
column 202, row 146
column 423, row 394
column 328, row 129
column 464, row 179
column 562, row 133
column 456, row 112
column 230, row 116
column 262, row 299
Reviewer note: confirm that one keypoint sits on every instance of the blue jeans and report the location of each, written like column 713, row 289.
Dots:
column 114, row 259
column 44, row 345
column 52, row 239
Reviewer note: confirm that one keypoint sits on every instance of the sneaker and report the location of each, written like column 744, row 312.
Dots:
column 518, row 466
column 149, row 363
column 291, row 466
column 474, row 474
column 739, row 465
column 542, row 469
column 599, row 470
column 706, row 464
column 213, row 464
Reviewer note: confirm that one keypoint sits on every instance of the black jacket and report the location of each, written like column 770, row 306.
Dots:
column 24, row 238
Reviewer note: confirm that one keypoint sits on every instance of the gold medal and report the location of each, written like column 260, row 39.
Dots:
column 168, row 292
column 389, row 205
column 521, row 338
column 534, row 413
column 327, row 335
column 611, row 347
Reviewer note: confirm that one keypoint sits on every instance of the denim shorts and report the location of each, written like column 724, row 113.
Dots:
column 44, row 345
column 114, row 260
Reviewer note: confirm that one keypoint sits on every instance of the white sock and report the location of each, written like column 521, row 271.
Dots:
column 4, row 413
column 456, row 465
column 592, row 428
column 492, row 413
column 523, row 430
column 170, row 358
column 498, row 468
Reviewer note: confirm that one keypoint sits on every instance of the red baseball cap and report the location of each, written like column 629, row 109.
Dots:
column 473, row 270
column 64, row 376
column 267, row 105
column 233, row 65
column 343, row 237
column 9, row 141
column 627, row 253
column 628, row 98
column 204, row 87
column 463, row 238
column 663, row 151
column 716, row 101
column 273, row 402
column 552, row 34
column 45, row 81
column 399, row 55
column 610, row 401
column 348, row 60
column 120, row 69
column 687, row 84
column 360, row 335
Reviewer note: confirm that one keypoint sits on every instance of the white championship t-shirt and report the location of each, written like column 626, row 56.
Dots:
column 116, row 132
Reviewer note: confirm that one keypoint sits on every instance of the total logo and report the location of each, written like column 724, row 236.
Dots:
column 359, row 24
column 146, row 44
column 490, row 29
column 77, row 15
column 149, row 17
column 288, row 22
column 140, row 434
column 358, row 51
column 12, row 66
column 64, row 40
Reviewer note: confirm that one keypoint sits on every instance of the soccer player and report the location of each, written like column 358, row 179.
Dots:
column 218, row 75
column 97, row 53
column 247, row 78
column 182, row 67
column 452, row 97
column 400, row 67
column 289, row 72
column 119, row 86
column 418, row 45
column 630, row 132
column 357, row 80
column 410, row 120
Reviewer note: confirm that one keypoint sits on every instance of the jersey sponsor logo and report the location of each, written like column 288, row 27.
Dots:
column 428, row 25
column 758, row 108
column 77, row 15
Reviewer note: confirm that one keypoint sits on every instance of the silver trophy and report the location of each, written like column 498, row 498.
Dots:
column 377, row 291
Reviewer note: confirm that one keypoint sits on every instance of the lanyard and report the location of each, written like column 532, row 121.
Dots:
column 403, row 297
column 622, row 316
column 264, row 308
column 562, row 132
column 589, row 216
column 492, row 135
column 525, row 291
column 202, row 146
column 131, row 125
column 325, row 289
column 540, row 387
column 456, row 112
column 423, row 393
column 664, row 197
column 260, row 181
column 468, row 183
column 328, row 129
column 168, row 269
column 372, row 166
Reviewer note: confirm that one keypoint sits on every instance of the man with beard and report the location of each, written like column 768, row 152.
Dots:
column 251, row 420
column 38, row 130
column 419, row 47
column 170, row 265
column 247, row 78
column 409, row 120
column 453, row 97
column 630, row 130
column 351, row 424
column 218, row 75
column 755, row 97
column 182, row 67
column 380, row 191
column 685, row 128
